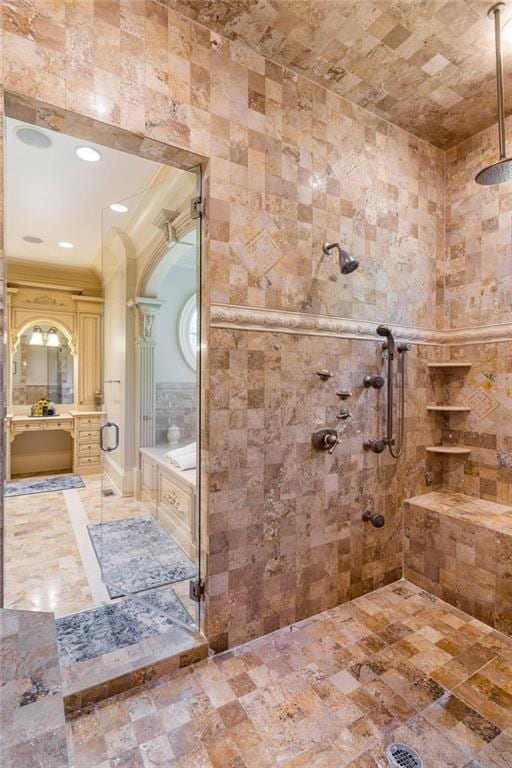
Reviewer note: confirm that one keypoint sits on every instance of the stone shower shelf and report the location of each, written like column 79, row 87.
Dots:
column 449, row 408
column 450, row 364
column 449, row 450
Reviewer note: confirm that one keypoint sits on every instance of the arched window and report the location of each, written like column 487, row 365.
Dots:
column 188, row 331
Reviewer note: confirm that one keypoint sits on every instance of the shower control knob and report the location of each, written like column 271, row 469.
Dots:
column 344, row 394
column 373, row 381
column 344, row 414
column 325, row 440
column 324, row 374
column 376, row 520
column 375, row 446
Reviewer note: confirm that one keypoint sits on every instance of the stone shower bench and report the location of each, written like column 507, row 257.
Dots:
column 459, row 548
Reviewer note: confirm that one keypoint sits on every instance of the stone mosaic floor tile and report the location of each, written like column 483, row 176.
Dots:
column 329, row 692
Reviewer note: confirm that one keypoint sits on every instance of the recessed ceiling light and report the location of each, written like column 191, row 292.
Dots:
column 88, row 153
column 118, row 207
column 32, row 239
column 33, row 137
column 65, row 244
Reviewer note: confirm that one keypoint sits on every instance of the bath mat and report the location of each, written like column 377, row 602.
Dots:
column 88, row 634
column 43, row 485
column 136, row 554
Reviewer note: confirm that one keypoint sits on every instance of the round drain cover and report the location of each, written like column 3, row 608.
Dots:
column 402, row 756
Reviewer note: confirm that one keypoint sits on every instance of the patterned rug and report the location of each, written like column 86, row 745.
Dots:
column 136, row 554
column 93, row 633
column 43, row 485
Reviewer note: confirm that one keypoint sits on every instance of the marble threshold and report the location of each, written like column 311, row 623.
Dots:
column 90, row 681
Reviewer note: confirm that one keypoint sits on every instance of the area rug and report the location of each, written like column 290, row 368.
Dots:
column 43, row 485
column 136, row 554
column 88, row 634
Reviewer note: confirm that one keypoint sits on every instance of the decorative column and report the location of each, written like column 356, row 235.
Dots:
column 145, row 310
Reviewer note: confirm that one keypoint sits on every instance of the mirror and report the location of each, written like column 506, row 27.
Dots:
column 42, row 366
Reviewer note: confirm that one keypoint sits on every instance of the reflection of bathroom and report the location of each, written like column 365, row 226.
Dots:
column 101, row 431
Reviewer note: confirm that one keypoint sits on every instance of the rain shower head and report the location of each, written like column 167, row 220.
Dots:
column 496, row 173
column 501, row 170
column 347, row 262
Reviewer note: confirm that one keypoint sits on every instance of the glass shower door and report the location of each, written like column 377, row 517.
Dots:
column 149, row 536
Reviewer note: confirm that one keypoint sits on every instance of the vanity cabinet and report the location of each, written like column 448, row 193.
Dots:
column 83, row 456
column 87, row 457
column 173, row 496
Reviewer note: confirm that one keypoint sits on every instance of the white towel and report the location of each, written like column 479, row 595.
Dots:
column 185, row 461
column 181, row 451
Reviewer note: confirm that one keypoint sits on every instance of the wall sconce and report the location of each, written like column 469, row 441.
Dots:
column 42, row 338
column 36, row 340
column 52, row 338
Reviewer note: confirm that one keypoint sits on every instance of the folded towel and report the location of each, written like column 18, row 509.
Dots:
column 180, row 451
column 185, row 461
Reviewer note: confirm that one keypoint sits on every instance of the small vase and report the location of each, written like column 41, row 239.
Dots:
column 173, row 434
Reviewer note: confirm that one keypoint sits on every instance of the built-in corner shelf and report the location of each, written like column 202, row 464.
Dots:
column 449, row 364
column 449, row 450
column 449, row 408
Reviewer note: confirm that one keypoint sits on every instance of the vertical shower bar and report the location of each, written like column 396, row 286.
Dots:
column 389, row 419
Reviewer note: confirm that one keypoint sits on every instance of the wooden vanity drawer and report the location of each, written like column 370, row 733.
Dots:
column 25, row 426
column 58, row 424
column 87, row 461
column 88, row 449
column 86, row 422
column 89, row 436
column 179, row 503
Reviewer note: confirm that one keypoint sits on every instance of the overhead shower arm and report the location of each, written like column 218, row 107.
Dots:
column 496, row 12
column 501, row 170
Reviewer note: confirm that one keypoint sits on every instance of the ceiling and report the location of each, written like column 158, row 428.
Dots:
column 425, row 65
column 53, row 195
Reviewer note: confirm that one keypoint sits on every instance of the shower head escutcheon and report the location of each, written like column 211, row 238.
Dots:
column 347, row 262
column 501, row 170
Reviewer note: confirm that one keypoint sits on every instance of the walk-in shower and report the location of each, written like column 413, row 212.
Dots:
column 391, row 348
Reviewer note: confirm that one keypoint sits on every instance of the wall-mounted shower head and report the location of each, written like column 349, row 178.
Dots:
column 347, row 262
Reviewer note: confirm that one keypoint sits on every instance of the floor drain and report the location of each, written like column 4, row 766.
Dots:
column 402, row 756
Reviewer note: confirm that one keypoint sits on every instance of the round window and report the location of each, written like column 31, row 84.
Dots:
column 188, row 331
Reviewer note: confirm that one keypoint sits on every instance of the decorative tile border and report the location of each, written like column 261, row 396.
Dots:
column 279, row 321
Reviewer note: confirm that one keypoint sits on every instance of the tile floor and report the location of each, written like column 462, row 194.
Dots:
column 331, row 691
column 54, row 578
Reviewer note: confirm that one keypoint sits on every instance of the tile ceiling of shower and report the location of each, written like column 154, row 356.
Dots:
column 425, row 65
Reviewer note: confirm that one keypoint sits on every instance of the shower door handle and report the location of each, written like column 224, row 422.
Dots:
column 104, row 448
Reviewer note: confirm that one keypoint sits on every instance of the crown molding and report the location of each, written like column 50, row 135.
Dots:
column 34, row 274
column 280, row 321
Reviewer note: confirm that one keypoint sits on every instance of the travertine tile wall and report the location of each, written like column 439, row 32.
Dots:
column 286, row 535
column 478, row 276
column 478, row 292
column 486, row 429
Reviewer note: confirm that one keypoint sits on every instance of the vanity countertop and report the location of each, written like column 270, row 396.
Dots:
column 60, row 415
column 26, row 417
